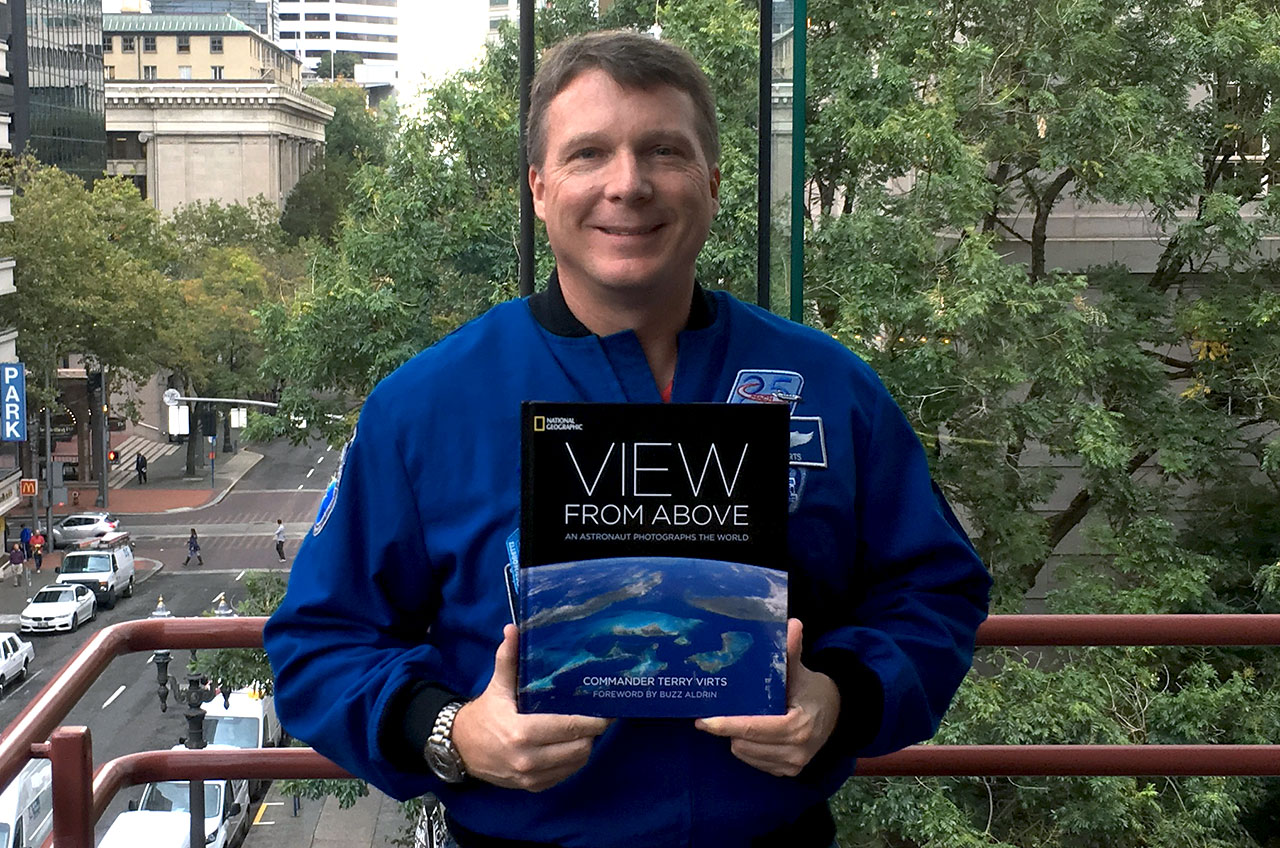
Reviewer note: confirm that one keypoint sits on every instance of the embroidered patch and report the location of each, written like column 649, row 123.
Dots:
column 808, row 442
column 331, row 493
column 762, row 386
column 795, row 488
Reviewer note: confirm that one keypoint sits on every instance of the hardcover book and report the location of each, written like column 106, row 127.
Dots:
column 650, row 577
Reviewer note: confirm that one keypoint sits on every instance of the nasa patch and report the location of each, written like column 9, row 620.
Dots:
column 808, row 442
column 331, row 493
column 763, row 386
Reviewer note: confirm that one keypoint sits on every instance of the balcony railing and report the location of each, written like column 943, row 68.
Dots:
column 80, row 796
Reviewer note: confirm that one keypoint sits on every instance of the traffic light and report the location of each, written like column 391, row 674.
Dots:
column 113, row 456
column 208, row 423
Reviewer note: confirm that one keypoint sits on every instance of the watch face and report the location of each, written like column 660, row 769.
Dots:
column 444, row 763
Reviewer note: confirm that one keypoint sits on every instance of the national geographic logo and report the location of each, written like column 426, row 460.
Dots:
column 543, row 424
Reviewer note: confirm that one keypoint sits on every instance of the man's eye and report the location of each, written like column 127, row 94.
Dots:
column 585, row 153
column 664, row 150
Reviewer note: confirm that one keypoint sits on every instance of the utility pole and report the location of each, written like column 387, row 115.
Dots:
column 104, row 437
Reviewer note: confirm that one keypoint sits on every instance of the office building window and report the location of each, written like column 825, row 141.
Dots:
column 184, row 72
column 111, row 71
column 288, row 34
column 215, row 44
column 184, row 44
column 217, row 71
column 148, row 44
column 108, row 41
column 127, row 44
column 149, row 72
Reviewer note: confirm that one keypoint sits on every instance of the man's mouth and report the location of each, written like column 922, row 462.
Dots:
column 630, row 231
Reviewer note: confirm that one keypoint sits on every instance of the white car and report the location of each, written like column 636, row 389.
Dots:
column 59, row 607
column 226, row 806
column 15, row 658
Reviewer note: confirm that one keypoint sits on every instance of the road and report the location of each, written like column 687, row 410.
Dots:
column 122, row 709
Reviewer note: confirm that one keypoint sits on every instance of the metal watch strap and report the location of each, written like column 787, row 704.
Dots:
column 440, row 753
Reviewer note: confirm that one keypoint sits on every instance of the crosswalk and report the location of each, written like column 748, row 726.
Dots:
column 129, row 449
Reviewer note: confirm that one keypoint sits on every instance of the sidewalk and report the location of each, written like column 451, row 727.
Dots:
column 374, row 822
column 167, row 489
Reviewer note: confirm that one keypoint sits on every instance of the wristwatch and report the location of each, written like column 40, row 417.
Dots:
column 441, row 755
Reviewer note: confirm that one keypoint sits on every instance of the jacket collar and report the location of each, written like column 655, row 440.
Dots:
column 550, row 310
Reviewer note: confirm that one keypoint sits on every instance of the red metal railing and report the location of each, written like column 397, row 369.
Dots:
column 78, row 802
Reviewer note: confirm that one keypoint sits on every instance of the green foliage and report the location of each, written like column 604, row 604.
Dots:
column 340, row 65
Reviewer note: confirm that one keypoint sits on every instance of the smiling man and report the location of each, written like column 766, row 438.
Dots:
column 397, row 602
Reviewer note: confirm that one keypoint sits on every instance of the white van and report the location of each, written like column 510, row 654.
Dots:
column 104, row 565
column 245, row 718
column 154, row 830
column 26, row 807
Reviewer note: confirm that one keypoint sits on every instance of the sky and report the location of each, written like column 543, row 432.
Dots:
column 438, row 37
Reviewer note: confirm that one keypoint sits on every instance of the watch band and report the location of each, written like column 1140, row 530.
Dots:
column 441, row 755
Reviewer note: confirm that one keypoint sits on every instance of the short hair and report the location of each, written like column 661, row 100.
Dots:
column 631, row 60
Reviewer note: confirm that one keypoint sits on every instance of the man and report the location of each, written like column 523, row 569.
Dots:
column 397, row 604
column 279, row 537
column 25, row 536
column 140, row 465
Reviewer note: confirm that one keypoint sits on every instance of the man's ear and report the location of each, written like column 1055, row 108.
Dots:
column 715, row 188
column 539, row 189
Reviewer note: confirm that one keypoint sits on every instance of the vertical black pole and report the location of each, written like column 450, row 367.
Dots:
column 526, row 193
column 765, row 155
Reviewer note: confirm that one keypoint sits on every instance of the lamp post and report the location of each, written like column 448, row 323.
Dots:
column 196, row 693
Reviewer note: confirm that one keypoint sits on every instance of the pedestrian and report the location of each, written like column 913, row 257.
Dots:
column 37, row 549
column 193, row 548
column 397, row 612
column 16, row 559
column 140, row 465
column 26, row 540
column 279, row 536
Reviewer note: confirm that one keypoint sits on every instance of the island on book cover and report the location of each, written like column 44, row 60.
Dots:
column 651, row 578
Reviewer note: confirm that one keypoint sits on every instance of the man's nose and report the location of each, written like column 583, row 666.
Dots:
column 628, row 180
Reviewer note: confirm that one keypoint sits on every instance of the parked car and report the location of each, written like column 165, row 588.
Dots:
column 26, row 807
column 226, row 806
column 15, row 658
column 154, row 830
column 105, row 565
column 80, row 526
column 58, row 607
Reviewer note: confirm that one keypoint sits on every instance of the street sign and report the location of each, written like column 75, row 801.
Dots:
column 27, row 487
column 13, row 402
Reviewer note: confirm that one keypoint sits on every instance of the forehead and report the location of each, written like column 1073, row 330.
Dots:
column 593, row 101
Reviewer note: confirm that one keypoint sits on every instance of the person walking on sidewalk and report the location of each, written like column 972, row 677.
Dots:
column 140, row 465
column 193, row 548
column 26, row 540
column 37, row 549
column 279, row 536
column 16, row 559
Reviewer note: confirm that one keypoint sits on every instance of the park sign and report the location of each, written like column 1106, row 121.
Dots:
column 13, row 402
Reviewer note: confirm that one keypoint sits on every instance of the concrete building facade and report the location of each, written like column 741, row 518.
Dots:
column 203, row 107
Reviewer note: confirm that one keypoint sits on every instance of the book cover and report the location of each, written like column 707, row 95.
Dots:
column 652, row 544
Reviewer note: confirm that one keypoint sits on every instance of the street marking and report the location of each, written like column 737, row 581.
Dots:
column 257, row 820
column 112, row 699
column 329, row 448
column 32, row 675
column 240, row 575
column 299, row 488
column 310, row 471
column 320, row 460
column 150, row 658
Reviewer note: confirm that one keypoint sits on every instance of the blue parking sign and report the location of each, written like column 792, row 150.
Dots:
column 13, row 402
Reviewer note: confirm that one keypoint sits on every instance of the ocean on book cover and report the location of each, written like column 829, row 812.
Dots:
column 651, row 578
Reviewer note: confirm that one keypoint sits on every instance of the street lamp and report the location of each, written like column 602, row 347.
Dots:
column 196, row 693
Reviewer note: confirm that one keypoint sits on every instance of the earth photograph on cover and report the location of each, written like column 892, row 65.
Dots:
column 653, row 637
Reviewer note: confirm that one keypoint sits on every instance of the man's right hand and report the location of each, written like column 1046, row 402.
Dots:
column 506, row 748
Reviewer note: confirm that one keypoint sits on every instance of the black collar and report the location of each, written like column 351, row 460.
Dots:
column 550, row 310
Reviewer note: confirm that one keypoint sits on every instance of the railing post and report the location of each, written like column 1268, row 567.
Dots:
column 71, row 750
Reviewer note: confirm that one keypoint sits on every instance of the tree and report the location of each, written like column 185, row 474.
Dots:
column 341, row 65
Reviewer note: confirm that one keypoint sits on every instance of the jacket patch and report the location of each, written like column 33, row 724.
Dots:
column 795, row 488
column 331, row 493
column 759, row 386
column 808, row 442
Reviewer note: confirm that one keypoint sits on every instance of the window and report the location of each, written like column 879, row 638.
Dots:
column 111, row 71
column 127, row 44
column 108, row 41
column 215, row 44
column 148, row 44
column 184, row 72
column 149, row 72
column 184, row 44
column 288, row 34
column 217, row 71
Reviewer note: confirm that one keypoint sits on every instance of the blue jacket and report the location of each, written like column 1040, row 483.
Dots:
column 401, row 580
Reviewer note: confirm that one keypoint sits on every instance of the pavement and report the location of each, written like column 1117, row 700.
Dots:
column 376, row 821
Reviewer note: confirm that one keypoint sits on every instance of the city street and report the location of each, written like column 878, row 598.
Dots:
column 122, row 709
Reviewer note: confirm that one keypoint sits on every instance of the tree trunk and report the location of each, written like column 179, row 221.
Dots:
column 1039, row 230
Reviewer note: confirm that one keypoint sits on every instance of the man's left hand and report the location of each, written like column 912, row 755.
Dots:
column 783, row 745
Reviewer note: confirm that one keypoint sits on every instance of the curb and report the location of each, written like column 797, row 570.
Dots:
column 257, row 457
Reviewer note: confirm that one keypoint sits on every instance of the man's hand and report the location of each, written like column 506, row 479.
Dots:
column 505, row 748
column 783, row 745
